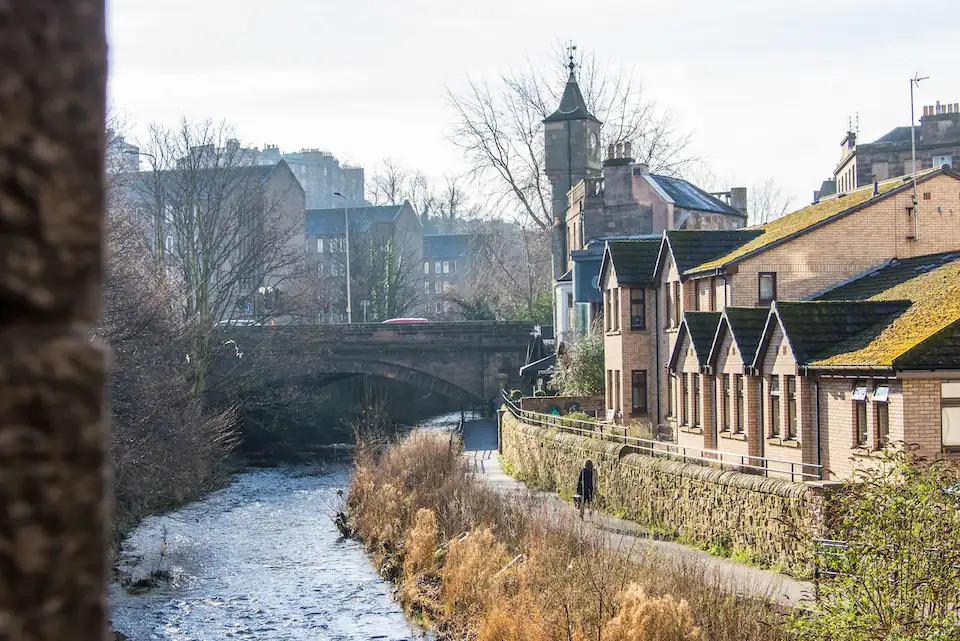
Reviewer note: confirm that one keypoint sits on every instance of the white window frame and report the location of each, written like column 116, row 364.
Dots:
column 426, row 267
column 319, row 245
column 446, row 267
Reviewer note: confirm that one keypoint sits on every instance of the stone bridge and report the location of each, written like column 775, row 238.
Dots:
column 467, row 361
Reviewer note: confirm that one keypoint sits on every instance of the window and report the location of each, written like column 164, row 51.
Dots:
column 607, row 312
column 791, row 407
column 320, row 269
column 168, row 243
column 684, row 408
column 569, row 301
column 437, row 266
column 319, row 245
column 738, row 383
column 774, row 406
column 609, row 389
column 702, row 290
column 446, row 267
column 671, row 389
column 638, row 384
column 767, row 287
column 725, row 403
column 860, row 418
column 616, row 308
column 696, row 399
column 638, row 308
column 667, row 306
column 942, row 160
column 676, row 304
column 453, row 267
column 437, row 287
column 882, row 411
column 439, row 306
column 616, row 388
column 426, row 287
column 950, row 413
column 426, row 267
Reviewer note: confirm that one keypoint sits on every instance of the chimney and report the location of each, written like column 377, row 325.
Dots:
column 738, row 198
column 627, row 149
column 610, row 151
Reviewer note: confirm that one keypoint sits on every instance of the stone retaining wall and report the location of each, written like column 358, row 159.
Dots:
column 544, row 404
column 768, row 521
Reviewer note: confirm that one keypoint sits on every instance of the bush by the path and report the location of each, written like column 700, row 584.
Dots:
column 476, row 565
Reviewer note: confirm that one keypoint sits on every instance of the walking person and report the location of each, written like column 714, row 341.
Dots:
column 585, row 484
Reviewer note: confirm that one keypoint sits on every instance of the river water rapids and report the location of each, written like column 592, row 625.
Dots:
column 259, row 559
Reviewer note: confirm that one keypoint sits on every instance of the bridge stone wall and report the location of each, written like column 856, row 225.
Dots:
column 461, row 360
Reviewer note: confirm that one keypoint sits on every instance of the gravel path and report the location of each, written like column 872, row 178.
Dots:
column 480, row 441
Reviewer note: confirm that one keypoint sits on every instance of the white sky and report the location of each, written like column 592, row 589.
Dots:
column 765, row 86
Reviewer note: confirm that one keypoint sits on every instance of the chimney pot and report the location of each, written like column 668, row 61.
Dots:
column 619, row 150
column 610, row 151
column 627, row 148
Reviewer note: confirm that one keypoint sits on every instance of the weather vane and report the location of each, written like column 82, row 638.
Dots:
column 571, row 52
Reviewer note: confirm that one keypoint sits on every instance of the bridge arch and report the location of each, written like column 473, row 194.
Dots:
column 384, row 369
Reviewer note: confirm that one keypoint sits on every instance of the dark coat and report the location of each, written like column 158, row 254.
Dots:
column 585, row 484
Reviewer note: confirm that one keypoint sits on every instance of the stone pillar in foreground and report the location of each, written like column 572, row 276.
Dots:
column 53, row 511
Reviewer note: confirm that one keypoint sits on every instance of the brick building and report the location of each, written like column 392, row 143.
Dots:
column 615, row 198
column 447, row 268
column 389, row 232
column 761, row 342
column 937, row 143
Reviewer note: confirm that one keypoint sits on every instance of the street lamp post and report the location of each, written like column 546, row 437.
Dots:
column 346, row 231
column 915, row 81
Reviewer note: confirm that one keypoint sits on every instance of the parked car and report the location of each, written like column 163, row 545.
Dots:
column 398, row 321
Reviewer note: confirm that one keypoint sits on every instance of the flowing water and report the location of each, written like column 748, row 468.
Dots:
column 259, row 559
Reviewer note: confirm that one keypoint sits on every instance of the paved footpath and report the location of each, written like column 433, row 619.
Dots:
column 480, row 444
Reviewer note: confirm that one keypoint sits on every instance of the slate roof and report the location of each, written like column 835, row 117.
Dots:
column 572, row 106
column 827, row 188
column 633, row 260
column 896, row 135
column 816, row 330
column 446, row 245
column 925, row 334
column 701, row 327
column 689, row 196
column 329, row 221
column 746, row 326
column 693, row 247
column 811, row 217
column 890, row 274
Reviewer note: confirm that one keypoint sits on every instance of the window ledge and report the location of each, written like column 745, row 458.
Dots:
column 640, row 331
column 783, row 442
column 734, row 436
column 689, row 429
column 613, row 333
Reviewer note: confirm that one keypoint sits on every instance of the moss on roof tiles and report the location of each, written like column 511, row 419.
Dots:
column 802, row 219
column 935, row 307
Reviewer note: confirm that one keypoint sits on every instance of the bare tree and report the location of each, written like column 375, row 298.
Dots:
column 500, row 130
column 391, row 184
column 511, row 273
column 767, row 201
column 232, row 236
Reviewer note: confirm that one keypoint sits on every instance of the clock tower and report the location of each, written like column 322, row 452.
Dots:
column 572, row 152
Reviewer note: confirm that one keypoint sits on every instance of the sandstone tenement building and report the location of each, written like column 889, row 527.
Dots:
column 814, row 339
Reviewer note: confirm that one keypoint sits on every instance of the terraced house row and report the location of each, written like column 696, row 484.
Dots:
column 805, row 344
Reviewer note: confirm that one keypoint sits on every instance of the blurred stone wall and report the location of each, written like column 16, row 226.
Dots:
column 53, row 510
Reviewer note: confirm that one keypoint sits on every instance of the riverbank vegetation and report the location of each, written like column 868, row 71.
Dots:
column 475, row 565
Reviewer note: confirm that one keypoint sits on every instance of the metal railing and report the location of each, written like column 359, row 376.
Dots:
column 655, row 447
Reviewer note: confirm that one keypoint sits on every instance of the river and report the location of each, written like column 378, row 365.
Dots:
column 259, row 559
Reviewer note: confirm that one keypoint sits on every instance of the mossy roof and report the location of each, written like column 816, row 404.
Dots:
column 745, row 325
column 808, row 218
column 701, row 327
column 690, row 248
column 816, row 330
column 890, row 274
column 633, row 260
column 925, row 334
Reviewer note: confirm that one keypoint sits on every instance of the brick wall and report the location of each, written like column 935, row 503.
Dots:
column 854, row 243
column 770, row 519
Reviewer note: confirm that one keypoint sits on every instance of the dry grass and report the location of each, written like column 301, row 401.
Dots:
column 479, row 566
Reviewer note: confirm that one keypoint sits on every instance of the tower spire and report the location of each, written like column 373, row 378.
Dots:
column 571, row 53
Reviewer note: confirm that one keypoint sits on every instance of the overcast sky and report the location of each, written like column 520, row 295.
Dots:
column 766, row 87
